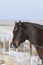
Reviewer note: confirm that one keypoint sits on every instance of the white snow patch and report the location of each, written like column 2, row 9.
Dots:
column 35, row 60
column 19, row 56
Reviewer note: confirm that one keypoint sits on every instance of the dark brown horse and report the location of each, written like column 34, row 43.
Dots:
column 30, row 31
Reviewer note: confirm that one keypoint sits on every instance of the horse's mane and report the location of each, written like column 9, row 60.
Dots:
column 33, row 24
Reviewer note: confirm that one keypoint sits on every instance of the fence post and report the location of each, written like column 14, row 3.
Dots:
column 4, row 44
column 30, row 49
column 30, row 52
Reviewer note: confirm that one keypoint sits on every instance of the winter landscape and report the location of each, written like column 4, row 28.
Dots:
column 12, row 56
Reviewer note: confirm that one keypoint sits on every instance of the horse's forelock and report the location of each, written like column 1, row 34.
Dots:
column 19, row 23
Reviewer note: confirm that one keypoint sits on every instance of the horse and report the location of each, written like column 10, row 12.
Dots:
column 30, row 31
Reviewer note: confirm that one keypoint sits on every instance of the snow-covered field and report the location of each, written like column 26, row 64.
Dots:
column 20, row 57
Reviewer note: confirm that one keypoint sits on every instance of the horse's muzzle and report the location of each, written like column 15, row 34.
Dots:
column 15, row 45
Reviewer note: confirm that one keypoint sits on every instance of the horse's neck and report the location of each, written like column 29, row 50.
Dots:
column 28, row 26
column 29, row 29
column 31, row 32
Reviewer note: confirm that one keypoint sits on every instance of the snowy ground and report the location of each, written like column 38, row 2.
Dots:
column 22, row 58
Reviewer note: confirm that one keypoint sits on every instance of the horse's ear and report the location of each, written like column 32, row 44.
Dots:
column 19, row 23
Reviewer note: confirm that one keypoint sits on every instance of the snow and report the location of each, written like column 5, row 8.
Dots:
column 35, row 60
column 3, row 64
column 6, row 32
column 19, row 56
column 23, row 57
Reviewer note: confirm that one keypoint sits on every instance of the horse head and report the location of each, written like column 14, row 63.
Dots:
column 19, row 34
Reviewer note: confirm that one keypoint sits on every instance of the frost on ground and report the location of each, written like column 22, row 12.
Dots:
column 35, row 60
column 20, row 57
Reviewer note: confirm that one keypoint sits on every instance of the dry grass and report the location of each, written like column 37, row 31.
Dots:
column 23, row 49
column 9, row 61
column 4, row 27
